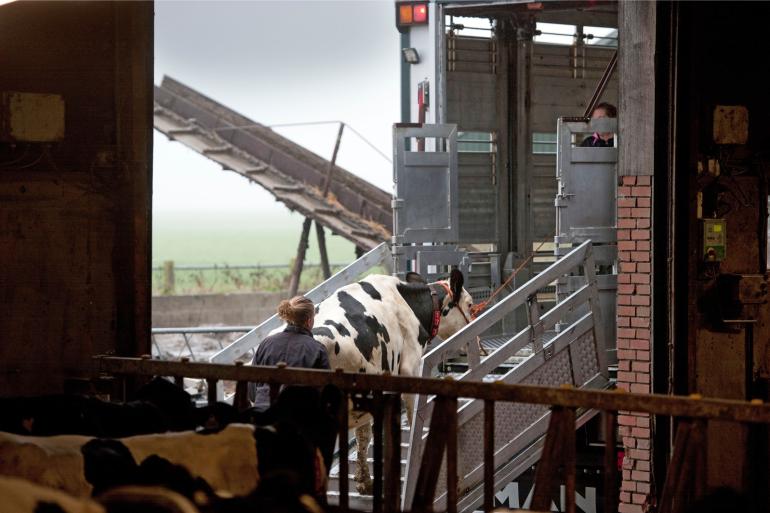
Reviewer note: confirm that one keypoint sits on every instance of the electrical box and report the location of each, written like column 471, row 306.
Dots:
column 31, row 117
column 731, row 124
column 714, row 240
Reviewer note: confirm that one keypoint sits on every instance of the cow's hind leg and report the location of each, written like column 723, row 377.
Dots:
column 362, row 477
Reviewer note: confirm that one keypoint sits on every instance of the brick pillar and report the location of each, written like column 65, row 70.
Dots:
column 633, row 340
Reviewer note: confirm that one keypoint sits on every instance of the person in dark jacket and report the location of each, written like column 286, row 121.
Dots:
column 294, row 346
column 604, row 139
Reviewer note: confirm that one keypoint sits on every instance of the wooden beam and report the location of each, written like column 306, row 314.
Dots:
column 557, row 459
column 610, row 461
column 333, row 162
column 392, row 458
column 636, row 69
column 299, row 261
column 321, row 236
column 432, row 456
column 489, row 455
column 343, row 440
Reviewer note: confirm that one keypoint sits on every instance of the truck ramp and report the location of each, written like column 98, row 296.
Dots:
column 561, row 345
column 353, row 209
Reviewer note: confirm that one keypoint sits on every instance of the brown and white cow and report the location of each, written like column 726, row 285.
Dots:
column 383, row 324
column 21, row 496
column 226, row 460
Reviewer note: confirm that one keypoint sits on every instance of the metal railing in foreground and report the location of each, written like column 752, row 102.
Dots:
column 685, row 479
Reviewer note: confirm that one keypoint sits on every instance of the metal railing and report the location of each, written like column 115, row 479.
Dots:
column 188, row 332
column 377, row 256
column 683, row 484
column 575, row 355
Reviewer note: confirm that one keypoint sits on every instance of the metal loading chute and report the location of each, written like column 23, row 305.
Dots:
column 354, row 208
column 575, row 355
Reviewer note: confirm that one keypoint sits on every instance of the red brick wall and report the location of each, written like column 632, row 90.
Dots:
column 633, row 340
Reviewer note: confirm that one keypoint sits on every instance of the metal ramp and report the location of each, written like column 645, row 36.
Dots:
column 354, row 209
column 575, row 355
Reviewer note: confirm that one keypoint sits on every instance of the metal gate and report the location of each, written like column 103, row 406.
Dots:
column 425, row 208
column 585, row 208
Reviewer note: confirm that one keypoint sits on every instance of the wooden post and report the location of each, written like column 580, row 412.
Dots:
column 489, row 455
column 392, row 458
column 212, row 391
column 686, row 475
column 452, row 478
column 344, row 438
column 610, row 462
column 241, row 400
column 559, row 449
column 299, row 262
column 432, row 456
column 319, row 232
column 378, row 439
column 333, row 162
column 168, row 277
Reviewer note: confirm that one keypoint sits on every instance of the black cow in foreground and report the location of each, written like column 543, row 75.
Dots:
column 159, row 406
column 383, row 324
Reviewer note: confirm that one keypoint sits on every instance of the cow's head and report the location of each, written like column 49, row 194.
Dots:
column 455, row 305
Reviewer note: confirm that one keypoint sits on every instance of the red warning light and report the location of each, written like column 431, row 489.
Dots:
column 411, row 13
column 420, row 13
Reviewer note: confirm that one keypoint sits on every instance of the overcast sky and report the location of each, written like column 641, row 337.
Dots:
column 278, row 62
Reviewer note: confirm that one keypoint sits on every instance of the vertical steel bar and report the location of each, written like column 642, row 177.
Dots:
column 610, row 462
column 451, row 456
column 601, row 85
column 489, row 454
column 344, row 452
column 377, row 427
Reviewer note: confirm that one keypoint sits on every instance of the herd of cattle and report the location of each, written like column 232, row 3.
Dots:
column 57, row 452
column 162, row 454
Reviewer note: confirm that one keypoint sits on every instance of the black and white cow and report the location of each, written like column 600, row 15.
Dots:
column 383, row 324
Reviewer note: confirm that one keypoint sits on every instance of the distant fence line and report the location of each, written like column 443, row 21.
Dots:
column 169, row 270
column 216, row 267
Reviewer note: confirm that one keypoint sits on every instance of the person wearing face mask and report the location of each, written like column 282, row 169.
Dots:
column 604, row 139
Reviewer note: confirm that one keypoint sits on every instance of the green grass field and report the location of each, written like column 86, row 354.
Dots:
column 225, row 239
column 232, row 238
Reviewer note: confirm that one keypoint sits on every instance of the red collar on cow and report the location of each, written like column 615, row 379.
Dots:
column 436, row 318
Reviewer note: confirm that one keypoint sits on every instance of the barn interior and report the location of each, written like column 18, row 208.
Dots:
column 76, row 123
